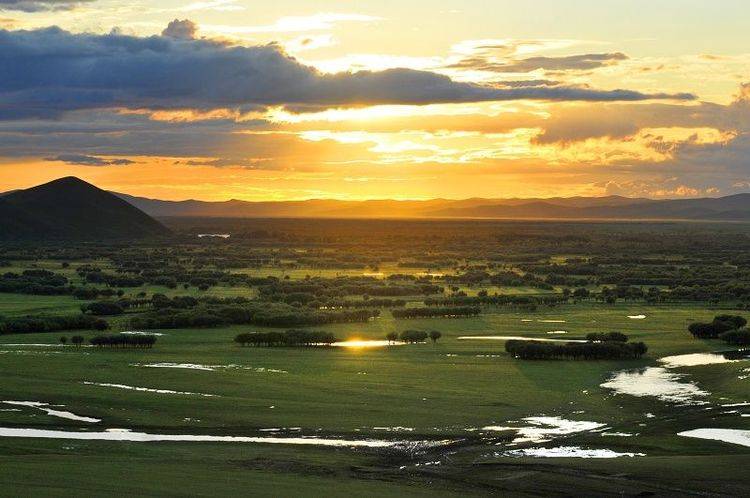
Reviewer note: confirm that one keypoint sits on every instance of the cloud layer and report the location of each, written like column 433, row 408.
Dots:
column 50, row 71
column 40, row 5
column 582, row 62
column 84, row 160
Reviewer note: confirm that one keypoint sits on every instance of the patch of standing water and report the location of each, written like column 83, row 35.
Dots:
column 637, row 317
column 138, row 332
column 656, row 382
column 147, row 389
column 24, row 352
column 568, row 452
column 356, row 343
column 513, row 338
column 45, row 407
column 32, row 345
column 143, row 437
column 698, row 359
column 733, row 436
column 557, row 332
column 542, row 429
column 206, row 368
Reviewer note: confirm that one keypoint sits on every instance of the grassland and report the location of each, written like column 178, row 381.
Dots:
column 440, row 391
column 448, row 392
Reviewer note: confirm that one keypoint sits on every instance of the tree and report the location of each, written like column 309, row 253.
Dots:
column 77, row 340
column 435, row 335
column 391, row 337
column 63, row 340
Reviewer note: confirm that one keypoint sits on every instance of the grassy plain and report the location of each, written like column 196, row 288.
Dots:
column 444, row 391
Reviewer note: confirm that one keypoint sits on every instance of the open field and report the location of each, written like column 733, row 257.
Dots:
column 450, row 418
column 352, row 393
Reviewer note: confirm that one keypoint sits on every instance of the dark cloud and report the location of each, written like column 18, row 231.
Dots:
column 40, row 5
column 84, row 160
column 181, row 29
column 226, row 162
column 582, row 62
column 50, row 71
column 528, row 83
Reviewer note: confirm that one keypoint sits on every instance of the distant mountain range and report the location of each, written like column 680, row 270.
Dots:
column 71, row 209
column 730, row 208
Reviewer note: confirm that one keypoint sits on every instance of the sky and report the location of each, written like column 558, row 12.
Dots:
column 408, row 99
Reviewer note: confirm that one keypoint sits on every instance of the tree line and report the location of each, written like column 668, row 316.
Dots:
column 253, row 313
column 413, row 336
column 614, row 349
column 289, row 338
column 444, row 312
column 50, row 323
column 139, row 341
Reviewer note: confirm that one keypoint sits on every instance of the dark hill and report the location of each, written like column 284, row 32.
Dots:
column 69, row 208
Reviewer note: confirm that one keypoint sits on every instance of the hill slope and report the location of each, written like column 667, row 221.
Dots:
column 69, row 208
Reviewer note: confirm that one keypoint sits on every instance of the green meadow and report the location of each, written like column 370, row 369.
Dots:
column 446, row 391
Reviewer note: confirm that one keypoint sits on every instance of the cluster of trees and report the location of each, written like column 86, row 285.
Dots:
column 50, row 323
column 528, row 303
column 76, row 340
column 740, row 337
column 39, row 282
column 103, row 308
column 319, row 290
column 157, row 272
column 728, row 328
column 290, row 338
column 414, row 336
column 717, row 327
column 141, row 341
column 113, row 279
column 367, row 302
column 504, row 278
column 208, row 314
column 445, row 312
column 609, row 350
column 607, row 337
